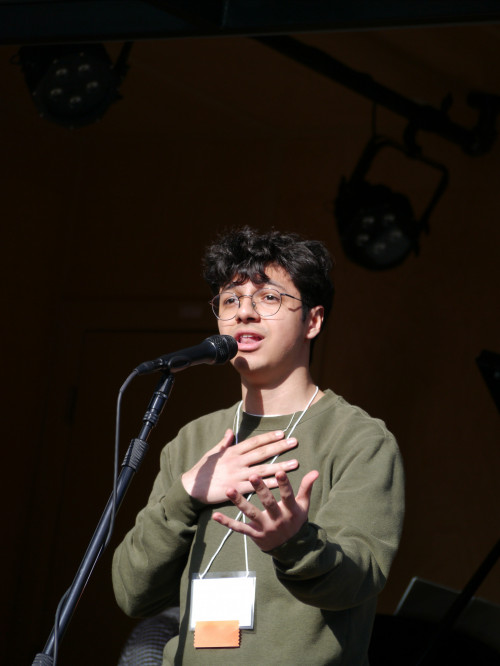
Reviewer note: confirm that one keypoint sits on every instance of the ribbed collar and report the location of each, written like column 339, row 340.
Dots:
column 253, row 423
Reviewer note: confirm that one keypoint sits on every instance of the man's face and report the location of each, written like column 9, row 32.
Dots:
column 270, row 349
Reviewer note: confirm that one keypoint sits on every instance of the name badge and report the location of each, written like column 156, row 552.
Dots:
column 223, row 596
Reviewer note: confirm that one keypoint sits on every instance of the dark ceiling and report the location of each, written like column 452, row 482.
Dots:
column 56, row 21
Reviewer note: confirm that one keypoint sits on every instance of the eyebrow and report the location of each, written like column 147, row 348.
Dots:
column 272, row 283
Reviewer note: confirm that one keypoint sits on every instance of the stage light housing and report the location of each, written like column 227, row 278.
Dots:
column 71, row 85
column 377, row 226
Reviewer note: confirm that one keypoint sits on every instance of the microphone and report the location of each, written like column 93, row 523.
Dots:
column 215, row 350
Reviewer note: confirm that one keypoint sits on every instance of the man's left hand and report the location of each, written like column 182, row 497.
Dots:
column 278, row 521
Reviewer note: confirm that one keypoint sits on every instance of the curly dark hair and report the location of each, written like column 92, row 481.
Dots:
column 243, row 254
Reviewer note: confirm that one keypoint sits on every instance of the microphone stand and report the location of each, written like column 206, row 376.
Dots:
column 133, row 458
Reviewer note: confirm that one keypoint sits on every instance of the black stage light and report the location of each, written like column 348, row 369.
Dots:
column 488, row 363
column 377, row 226
column 72, row 85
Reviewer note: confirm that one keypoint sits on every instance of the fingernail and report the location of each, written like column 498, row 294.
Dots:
column 291, row 440
column 279, row 433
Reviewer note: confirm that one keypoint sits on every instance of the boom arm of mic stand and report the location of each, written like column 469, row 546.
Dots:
column 133, row 458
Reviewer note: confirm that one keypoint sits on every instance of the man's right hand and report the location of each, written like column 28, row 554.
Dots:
column 227, row 466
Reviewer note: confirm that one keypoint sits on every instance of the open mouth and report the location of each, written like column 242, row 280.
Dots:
column 248, row 337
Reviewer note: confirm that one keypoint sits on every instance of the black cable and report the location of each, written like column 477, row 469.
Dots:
column 113, row 510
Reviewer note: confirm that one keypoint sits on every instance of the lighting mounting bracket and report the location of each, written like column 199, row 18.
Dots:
column 411, row 150
column 474, row 141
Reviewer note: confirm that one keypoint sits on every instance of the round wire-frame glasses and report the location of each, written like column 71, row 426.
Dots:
column 265, row 301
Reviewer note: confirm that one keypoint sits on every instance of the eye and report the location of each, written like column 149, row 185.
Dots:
column 269, row 297
column 228, row 299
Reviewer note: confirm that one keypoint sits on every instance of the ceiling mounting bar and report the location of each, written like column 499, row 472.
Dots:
column 475, row 141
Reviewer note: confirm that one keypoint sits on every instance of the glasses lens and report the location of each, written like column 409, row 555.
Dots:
column 225, row 305
column 266, row 302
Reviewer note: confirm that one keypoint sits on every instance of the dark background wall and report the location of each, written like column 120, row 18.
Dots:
column 103, row 229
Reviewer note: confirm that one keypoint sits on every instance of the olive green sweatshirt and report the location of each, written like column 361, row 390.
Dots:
column 316, row 594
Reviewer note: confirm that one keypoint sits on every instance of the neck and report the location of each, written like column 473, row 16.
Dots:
column 289, row 396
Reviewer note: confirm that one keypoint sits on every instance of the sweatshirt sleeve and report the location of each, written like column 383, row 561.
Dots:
column 148, row 564
column 342, row 556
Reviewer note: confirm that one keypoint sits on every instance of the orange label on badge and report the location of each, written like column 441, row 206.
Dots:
column 217, row 634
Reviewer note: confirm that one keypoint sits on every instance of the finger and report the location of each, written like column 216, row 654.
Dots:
column 260, row 440
column 286, row 490
column 271, row 469
column 226, row 441
column 235, row 525
column 305, row 488
column 250, row 511
column 269, row 450
column 266, row 497
column 245, row 487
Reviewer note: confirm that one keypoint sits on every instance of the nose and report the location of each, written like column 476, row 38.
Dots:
column 245, row 311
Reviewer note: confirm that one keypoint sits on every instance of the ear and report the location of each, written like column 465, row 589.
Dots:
column 314, row 321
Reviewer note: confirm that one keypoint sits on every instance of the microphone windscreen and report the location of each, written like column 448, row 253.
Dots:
column 226, row 347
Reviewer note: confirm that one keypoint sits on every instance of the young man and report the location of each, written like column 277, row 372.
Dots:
column 293, row 494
